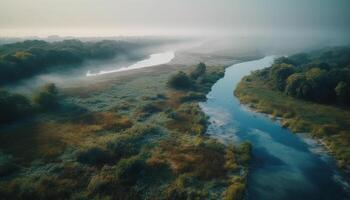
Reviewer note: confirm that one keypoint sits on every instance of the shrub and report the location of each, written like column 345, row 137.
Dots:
column 94, row 156
column 123, row 123
column 244, row 152
column 13, row 107
column 103, row 182
column 131, row 140
column 46, row 98
column 180, row 81
column 199, row 71
column 342, row 91
column 211, row 78
column 130, row 169
column 151, row 108
column 6, row 164
column 235, row 191
column 230, row 157
column 194, row 96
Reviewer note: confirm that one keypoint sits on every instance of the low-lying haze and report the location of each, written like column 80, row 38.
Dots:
column 174, row 17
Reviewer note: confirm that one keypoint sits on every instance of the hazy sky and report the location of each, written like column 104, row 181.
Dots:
column 144, row 17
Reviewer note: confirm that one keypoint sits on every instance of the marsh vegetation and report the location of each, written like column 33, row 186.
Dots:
column 128, row 140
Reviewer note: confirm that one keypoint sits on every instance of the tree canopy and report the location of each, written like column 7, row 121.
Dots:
column 25, row 59
column 322, row 76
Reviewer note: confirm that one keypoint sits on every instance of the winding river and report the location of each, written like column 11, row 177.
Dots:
column 153, row 60
column 284, row 165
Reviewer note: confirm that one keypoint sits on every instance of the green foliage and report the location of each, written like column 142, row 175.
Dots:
column 235, row 191
column 130, row 169
column 180, row 81
column 25, row 59
column 108, row 156
column 13, row 107
column 279, row 73
column 244, row 153
column 94, row 156
column 47, row 97
column 131, row 140
column 296, row 85
column 181, row 189
column 199, row 71
column 211, row 78
column 6, row 164
column 151, row 108
column 313, row 76
column 194, row 96
column 327, row 122
column 342, row 91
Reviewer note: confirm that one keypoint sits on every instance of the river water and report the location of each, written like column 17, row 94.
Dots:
column 153, row 60
column 284, row 165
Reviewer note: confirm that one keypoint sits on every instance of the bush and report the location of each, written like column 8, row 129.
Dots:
column 47, row 97
column 130, row 169
column 244, row 153
column 13, row 107
column 151, row 108
column 129, row 142
column 6, row 164
column 94, row 156
column 103, row 182
column 342, row 91
column 211, row 78
column 235, row 191
column 199, row 71
column 194, row 96
column 180, row 81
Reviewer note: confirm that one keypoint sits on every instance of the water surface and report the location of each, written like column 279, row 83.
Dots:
column 284, row 165
column 153, row 60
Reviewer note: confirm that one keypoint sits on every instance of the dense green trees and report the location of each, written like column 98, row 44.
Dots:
column 199, row 79
column 16, row 106
column 321, row 76
column 279, row 73
column 46, row 98
column 25, row 59
column 180, row 81
column 13, row 106
column 199, row 71
column 343, row 92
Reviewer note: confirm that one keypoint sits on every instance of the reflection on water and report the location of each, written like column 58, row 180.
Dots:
column 284, row 165
column 153, row 60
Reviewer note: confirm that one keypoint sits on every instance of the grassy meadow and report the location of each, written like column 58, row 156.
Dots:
column 133, row 137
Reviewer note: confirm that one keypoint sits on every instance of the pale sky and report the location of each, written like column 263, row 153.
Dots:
column 147, row 17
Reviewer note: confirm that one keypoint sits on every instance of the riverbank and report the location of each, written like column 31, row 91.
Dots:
column 283, row 165
column 328, row 124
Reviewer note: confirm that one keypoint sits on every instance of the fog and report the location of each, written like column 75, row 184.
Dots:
column 234, row 28
column 174, row 17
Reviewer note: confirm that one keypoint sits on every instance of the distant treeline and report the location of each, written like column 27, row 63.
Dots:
column 321, row 76
column 25, row 59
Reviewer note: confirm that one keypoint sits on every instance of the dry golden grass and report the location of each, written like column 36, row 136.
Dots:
column 202, row 160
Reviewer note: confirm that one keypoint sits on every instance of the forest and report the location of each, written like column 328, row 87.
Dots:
column 321, row 76
column 25, row 59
